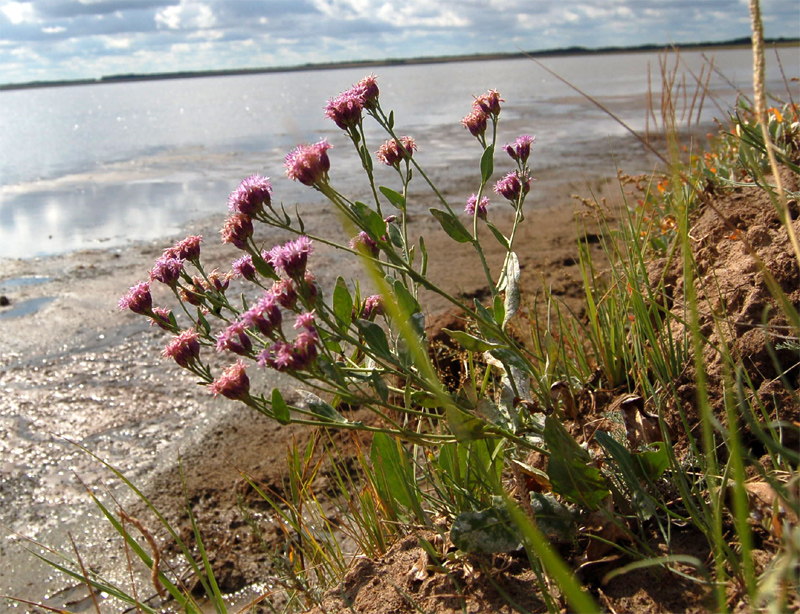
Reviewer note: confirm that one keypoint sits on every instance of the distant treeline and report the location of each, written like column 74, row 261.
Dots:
column 567, row 51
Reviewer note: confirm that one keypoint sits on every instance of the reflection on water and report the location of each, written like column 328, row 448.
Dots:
column 102, row 214
column 26, row 307
column 100, row 165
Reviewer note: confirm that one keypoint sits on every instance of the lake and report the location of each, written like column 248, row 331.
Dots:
column 102, row 165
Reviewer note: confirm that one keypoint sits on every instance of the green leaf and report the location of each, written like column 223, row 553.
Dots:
column 264, row 268
column 279, row 408
column 367, row 157
column 330, row 370
column 342, row 303
column 391, row 120
column 424, row 251
column 375, row 337
column 394, row 474
column 569, row 468
column 321, row 409
column 395, row 236
column 452, row 226
column 373, row 223
column 499, row 310
column 510, row 358
column 329, row 341
column 470, row 342
column 487, row 163
column 486, row 532
column 652, row 463
column 554, row 519
column 380, row 386
column 501, row 238
column 464, row 426
column 405, row 300
column 395, row 198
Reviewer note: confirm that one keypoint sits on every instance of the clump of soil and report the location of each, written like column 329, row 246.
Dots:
column 738, row 258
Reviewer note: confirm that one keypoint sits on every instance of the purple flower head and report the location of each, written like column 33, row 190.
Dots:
column 217, row 281
column 472, row 201
column 521, row 149
column 251, row 196
column 345, row 109
column 476, row 122
column 187, row 249
column 280, row 356
column 292, row 256
column 489, row 102
column 161, row 317
column 235, row 339
column 365, row 244
column 265, row 315
column 309, row 164
column 391, row 153
column 305, row 320
column 510, row 187
column 232, row 384
column 237, row 229
column 184, row 348
column 167, row 270
column 243, row 267
column 285, row 293
column 138, row 299
column 373, row 307
column 305, row 349
column 368, row 91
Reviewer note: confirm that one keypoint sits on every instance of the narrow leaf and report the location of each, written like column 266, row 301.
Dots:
column 501, row 238
column 375, row 337
column 487, row 163
column 279, row 408
column 452, row 226
column 395, row 198
column 470, row 342
column 342, row 303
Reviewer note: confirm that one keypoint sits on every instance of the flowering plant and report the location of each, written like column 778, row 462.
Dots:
column 367, row 351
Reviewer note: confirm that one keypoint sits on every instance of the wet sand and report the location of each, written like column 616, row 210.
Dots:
column 72, row 367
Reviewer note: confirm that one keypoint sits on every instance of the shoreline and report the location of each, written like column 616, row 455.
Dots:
column 741, row 43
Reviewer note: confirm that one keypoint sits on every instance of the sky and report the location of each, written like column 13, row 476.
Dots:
column 48, row 40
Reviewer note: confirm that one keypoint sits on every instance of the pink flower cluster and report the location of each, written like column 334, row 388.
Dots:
column 184, row 348
column 391, row 153
column 482, row 207
column 483, row 107
column 232, row 384
column 138, row 299
column 365, row 244
column 295, row 356
column 512, row 186
column 309, row 164
column 291, row 257
column 251, row 196
column 345, row 110
column 186, row 249
column 521, row 149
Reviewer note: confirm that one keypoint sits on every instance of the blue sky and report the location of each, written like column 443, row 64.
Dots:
column 75, row 39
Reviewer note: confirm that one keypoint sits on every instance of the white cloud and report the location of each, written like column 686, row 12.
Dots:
column 186, row 16
column 19, row 12
column 117, row 42
column 54, row 29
